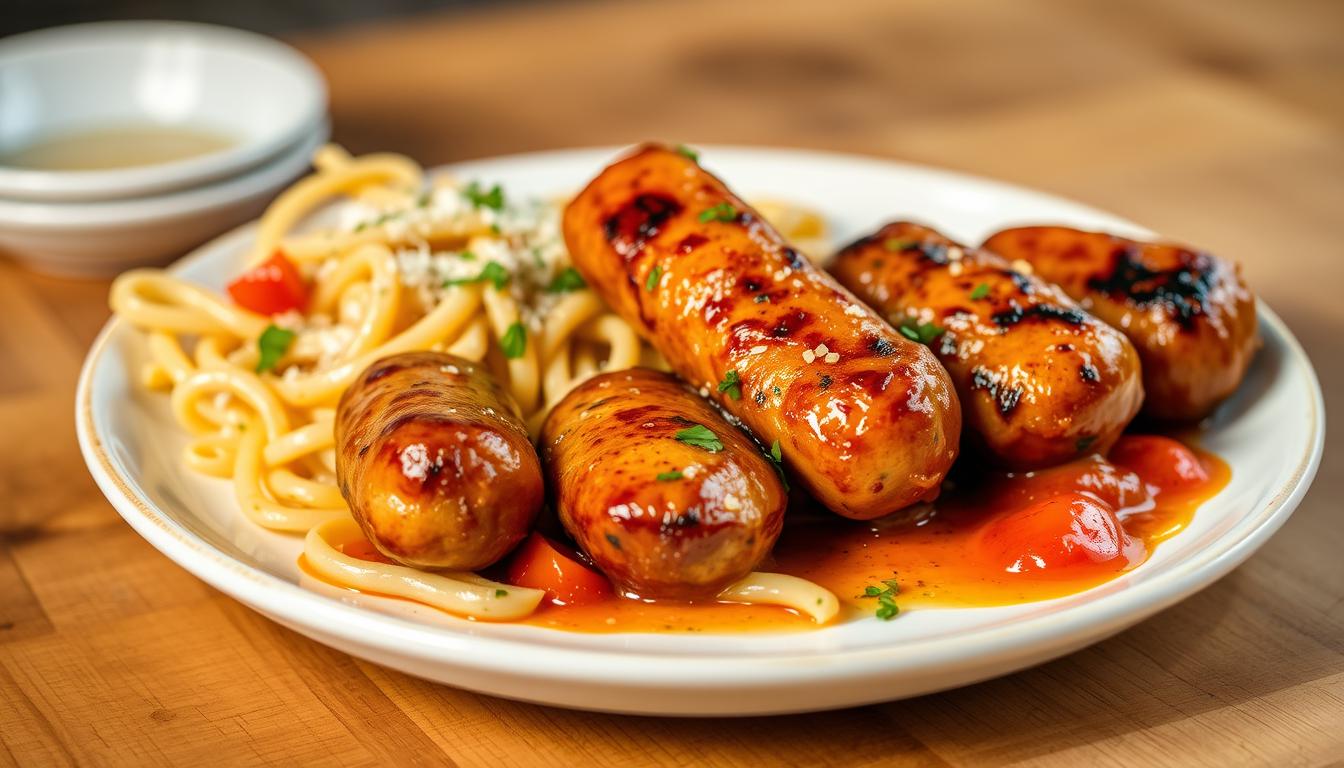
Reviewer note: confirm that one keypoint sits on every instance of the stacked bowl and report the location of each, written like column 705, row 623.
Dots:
column 128, row 143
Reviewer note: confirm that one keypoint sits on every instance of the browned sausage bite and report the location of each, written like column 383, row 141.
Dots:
column 867, row 419
column 1040, row 380
column 668, row 498
column 1189, row 313
column 435, row 462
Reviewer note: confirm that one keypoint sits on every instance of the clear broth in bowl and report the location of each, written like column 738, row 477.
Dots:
column 109, row 147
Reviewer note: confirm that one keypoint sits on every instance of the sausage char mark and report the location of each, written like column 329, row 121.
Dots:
column 1183, row 290
column 1005, row 397
column 1016, row 314
column 638, row 221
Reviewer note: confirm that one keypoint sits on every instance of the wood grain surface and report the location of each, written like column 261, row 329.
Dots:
column 1218, row 123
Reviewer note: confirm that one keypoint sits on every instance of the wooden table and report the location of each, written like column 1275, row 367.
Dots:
column 1217, row 123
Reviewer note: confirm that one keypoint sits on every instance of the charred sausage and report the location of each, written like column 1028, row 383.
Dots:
column 1189, row 313
column 867, row 419
column 666, row 497
column 1040, row 380
column 435, row 462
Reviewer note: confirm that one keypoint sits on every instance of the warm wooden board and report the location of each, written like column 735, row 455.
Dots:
column 1217, row 122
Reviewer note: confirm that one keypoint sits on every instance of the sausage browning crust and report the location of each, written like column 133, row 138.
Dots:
column 867, row 420
column 435, row 463
column 1040, row 381
column 1189, row 313
column 662, row 517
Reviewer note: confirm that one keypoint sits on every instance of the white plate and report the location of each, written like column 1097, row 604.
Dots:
column 1271, row 434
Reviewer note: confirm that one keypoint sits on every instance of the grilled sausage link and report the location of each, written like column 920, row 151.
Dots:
column 1040, row 380
column 1189, row 313
column 663, row 516
column 867, row 420
column 435, row 463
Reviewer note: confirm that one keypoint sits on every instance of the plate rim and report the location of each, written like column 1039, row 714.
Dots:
column 438, row 645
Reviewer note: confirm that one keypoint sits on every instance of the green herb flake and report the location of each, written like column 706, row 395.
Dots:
column 566, row 281
column 272, row 345
column 492, row 272
column 761, row 298
column 467, row 256
column 700, row 436
column 614, row 540
column 980, row 292
column 777, row 458
column 655, row 275
column 492, row 198
column 899, row 244
column 514, row 341
column 688, row 153
column 721, row 212
column 731, row 385
column 924, row 333
column 501, row 593
column 665, row 477
column 424, row 200
column 886, row 598
column 1086, row 442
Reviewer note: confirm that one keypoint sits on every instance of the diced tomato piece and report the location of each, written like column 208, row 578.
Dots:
column 271, row 287
column 1060, row 534
column 1160, row 461
column 541, row 563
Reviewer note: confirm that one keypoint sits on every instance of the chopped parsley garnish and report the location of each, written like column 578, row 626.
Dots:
column 272, row 345
column 777, row 460
column 720, row 212
column 899, row 244
column 761, row 298
column 424, row 200
column 493, row 272
column 655, row 275
column 886, row 598
column 614, row 540
column 569, row 280
column 980, row 292
column 492, row 198
column 688, row 153
column 700, row 436
column 924, row 333
column 514, row 341
column 501, row 593
column 1086, row 442
column 731, row 385
column 664, row 477
column 467, row 255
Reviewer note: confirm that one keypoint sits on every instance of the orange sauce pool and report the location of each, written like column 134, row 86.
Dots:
column 990, row 539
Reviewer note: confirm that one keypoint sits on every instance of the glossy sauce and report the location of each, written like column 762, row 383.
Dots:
column 991, row 539
column 116, row 147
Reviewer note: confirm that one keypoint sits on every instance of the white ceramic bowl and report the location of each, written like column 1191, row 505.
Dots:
column 100, row 239
column 255, row 90
column 1271, row 434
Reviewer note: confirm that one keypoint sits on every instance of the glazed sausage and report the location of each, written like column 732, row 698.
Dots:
column 662, row 516
column 1189, row 313
column 867, row 420
column 435, row 462
column 1040, row 380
